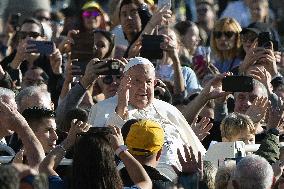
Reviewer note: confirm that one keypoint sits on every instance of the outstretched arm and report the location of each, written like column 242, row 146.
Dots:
column 135, row 170
column 11, row 119
column 52, row 160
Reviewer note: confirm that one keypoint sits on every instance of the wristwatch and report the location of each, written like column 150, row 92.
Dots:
column 121, row 148
column 273, row 131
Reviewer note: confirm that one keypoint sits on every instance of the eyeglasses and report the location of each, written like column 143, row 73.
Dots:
column 109, row 79
column 88, row 14
column 228, row 34
column 24, row 35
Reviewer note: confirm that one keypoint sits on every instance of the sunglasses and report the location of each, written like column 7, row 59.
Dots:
column 88, row 14
column 228, row 34
column 109, row 79
column 24, row 35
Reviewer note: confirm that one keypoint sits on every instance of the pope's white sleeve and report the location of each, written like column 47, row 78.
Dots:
column 92, row 115
column 115, row 119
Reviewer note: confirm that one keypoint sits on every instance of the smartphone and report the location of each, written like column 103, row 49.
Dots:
column 82, row 66
column 237, row 84
column 264, row 40
column 199, row 62
column 82, row 49
column 166, row 3
column 15, row 20
column 43, row 47
column 114, row 67
column 151, row 46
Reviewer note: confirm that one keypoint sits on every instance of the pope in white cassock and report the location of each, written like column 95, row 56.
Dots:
column 135, row 100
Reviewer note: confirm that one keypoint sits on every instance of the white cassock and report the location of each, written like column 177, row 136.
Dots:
column 177, row 130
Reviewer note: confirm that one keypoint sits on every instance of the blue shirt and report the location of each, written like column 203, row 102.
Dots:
column 191, row 83
column 227, row 65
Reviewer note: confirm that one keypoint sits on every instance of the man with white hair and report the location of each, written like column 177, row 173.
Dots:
column 135, row 100
column 34, row 96
column 253, row 172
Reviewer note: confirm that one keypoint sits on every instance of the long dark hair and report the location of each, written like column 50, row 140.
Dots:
column 93, row 164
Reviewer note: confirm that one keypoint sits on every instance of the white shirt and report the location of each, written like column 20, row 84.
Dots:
column 177, row 130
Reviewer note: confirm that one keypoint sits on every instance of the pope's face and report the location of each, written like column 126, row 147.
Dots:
column 141, row 93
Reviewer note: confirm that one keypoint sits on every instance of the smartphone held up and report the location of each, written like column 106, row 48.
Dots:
column 237, row 84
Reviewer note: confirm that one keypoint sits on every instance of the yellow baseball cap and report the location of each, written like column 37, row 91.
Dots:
column 145, row 137
column 90, row 5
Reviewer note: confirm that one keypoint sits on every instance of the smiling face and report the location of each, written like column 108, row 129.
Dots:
column 141, row 93
column 45, row 133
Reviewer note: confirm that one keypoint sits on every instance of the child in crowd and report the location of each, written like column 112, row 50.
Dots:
column 237, row 127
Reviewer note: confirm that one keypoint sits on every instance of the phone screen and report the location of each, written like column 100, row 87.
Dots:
column 151, row 46
column 43, row 47
column 166, row 3
column 237, row 84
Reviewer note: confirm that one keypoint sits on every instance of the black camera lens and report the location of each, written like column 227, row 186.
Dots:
column 157, row 93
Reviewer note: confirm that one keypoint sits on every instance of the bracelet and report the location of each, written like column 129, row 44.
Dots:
column 62, row 148
column 121, row 148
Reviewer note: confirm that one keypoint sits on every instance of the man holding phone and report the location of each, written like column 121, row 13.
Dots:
column 136, row 19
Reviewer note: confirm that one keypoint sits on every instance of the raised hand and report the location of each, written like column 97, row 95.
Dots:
column 10, row 117
column 56, row 61
column 65, row 45
column 161, row 16
column 202, row 128
column 258, row 109
column 76, row 127
column 276, row 116
column 263, row 76
column 116, row 138
column 92, row 69
column 123, row 96
column 213, row 89
column 190, row 165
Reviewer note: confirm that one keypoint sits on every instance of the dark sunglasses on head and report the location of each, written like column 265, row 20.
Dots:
column 24, row 35
column 109, row 79
column 88, row 14
column 228, row 34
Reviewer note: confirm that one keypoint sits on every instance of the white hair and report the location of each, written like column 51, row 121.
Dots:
column 7, row 92
column 30, row 92
column 253, row 172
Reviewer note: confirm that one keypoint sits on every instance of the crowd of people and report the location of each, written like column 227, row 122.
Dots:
column 113, row 94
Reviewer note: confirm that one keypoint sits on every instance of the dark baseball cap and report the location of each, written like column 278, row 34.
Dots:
column 256, row 27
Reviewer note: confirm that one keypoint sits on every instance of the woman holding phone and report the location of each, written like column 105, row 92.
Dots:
column 169, row 69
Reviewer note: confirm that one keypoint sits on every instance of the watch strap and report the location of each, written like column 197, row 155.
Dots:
column 121, row 148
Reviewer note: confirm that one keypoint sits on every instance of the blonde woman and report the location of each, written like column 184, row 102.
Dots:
column 225, row 44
